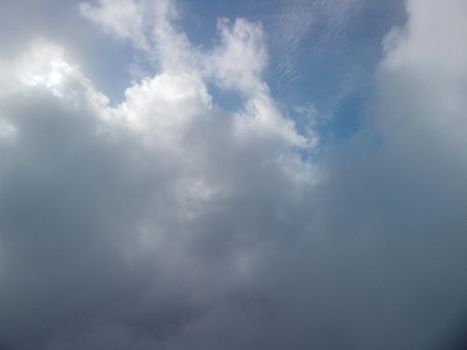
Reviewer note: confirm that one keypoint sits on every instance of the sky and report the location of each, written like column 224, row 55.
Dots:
column 272, row 174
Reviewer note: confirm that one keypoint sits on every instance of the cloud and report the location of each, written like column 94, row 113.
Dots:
column 296, row 21
column 125, row 19
column 169, row 222
column 124, row 224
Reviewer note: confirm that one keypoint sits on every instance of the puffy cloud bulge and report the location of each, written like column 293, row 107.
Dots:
column 170, row 222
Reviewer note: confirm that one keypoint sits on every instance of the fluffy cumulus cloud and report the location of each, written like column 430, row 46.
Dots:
column 169, row 222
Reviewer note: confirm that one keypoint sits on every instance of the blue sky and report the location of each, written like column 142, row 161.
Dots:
column 321, row 54
column 180, row 174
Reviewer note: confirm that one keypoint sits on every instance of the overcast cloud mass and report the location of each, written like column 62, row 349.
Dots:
column 160, row 190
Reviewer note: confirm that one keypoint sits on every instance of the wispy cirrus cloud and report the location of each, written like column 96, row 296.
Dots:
column 294, row 21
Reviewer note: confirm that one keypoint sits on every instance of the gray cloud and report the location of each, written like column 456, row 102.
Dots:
column 167, row 222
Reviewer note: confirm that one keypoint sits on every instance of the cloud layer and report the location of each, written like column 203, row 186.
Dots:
column 171, row 222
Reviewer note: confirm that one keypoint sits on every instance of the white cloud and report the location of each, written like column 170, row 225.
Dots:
column 123, row 18
column 236, row 64
column 155, row 200
column 168, row 222
column 132, row 186
column 241, row 57
column 165, row 106
column 424, row 77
